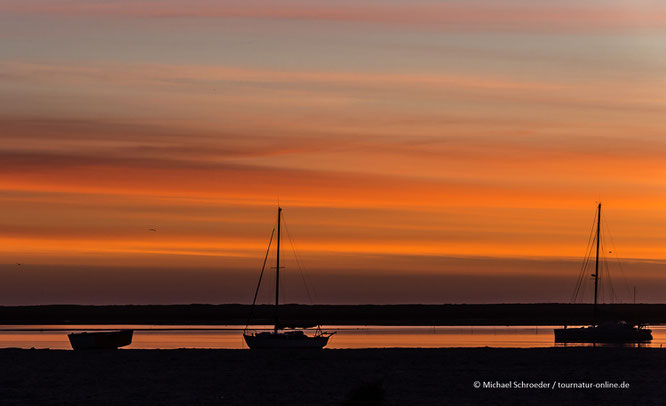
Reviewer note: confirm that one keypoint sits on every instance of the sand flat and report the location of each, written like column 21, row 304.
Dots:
column 330, row 377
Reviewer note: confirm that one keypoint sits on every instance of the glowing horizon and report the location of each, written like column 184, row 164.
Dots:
column 414, row 134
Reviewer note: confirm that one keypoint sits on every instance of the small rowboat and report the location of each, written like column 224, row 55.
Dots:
column 100, row 340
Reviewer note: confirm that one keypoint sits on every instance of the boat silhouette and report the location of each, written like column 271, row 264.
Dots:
column 608, row 331
column 284, row 335
column 100, row 340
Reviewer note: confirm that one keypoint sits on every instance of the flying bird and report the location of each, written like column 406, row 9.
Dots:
column 152, row 229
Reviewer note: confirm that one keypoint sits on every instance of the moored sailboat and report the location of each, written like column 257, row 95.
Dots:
column 609, row 331
column 283, row 336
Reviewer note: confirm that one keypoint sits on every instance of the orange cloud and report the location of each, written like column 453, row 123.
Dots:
column 413, row 163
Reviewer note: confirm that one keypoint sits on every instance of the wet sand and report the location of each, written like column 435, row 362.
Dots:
column 331, row 377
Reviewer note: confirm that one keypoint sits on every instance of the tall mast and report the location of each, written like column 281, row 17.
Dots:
column 277, row 271
column 596, row 266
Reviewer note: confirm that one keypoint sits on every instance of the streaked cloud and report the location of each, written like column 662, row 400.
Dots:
column 479, row 15
column 206, row 79
column 429, row 142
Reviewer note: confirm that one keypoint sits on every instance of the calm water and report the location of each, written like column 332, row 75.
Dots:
column 169, row 337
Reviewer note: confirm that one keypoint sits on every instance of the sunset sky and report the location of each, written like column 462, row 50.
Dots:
column 423, row 151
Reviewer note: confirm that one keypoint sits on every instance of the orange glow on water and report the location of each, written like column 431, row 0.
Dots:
column 230, row 337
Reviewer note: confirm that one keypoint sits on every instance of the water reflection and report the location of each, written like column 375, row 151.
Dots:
column 170, row 337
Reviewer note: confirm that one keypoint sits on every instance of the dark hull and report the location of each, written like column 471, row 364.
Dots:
column 599, row 334
column 102, row 340
column 284, row 341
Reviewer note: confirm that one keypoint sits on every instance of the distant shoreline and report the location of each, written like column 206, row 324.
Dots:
column 380, row 315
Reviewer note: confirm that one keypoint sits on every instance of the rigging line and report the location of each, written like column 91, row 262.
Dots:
column 607, row 287
column 611, row 290
column 298, row 262
column 586, row 261
column 261, row 275
column 585, row 269
column 580, row 280
column 283, row 290
column 602, row 279
column 617, row 259
column 581, row 276
column 614, row 296
column 306, row 283
column 270, row 281
column 590, row 263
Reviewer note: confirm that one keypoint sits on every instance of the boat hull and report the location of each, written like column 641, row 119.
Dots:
column 100, row 340
column 599, row 334
column 284, row 341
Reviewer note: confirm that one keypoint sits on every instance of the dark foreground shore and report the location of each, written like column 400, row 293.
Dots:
column 334, row 377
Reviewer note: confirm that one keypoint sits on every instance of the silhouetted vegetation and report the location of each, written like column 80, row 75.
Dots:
column 235, row 314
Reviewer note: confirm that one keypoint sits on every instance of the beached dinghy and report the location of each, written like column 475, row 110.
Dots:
column 294, row 337
column 100, row 340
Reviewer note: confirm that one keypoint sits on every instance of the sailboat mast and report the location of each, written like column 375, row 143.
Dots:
column 596, row 266
column 277, row 271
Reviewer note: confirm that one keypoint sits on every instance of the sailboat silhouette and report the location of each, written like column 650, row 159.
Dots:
column 295, row 337
column 607, row 332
